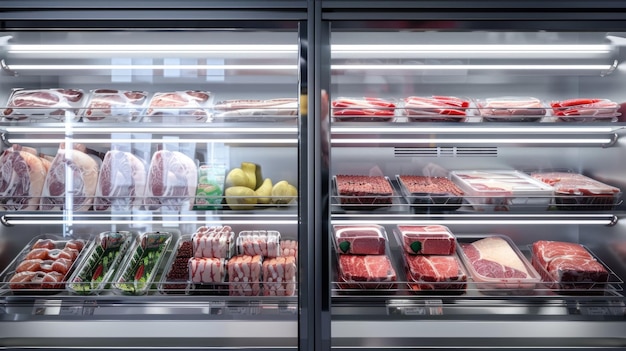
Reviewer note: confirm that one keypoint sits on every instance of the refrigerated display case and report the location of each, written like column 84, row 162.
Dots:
column 169, row 140
column 458, row 108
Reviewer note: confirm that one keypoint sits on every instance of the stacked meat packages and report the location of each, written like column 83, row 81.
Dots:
column 363, row 257
column 429, row 255
column 436, row 109
column 366, row 109
column 211, row 247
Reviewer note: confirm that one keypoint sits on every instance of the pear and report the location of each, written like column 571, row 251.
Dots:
column 283, row 193
column 264, row 192
column 240, row 198
column 236, row 177
column 253, row 171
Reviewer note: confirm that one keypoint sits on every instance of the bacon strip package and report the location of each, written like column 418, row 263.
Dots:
column 576, row 192
column 436, row 109
column 112, row 105
column 179, row 106
column 40, row 104
column 585, row 110
column 511, row 109
column 366, row 109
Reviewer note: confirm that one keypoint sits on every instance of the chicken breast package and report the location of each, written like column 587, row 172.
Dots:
column 112, row 105
column 179, row 106
column 44, row 104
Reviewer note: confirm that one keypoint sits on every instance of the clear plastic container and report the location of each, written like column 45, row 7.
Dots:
column 100, row 263
column 186, row 106
column 244, row 275
column 363, row 109
column 280, row 276
column 175, row 277
column 175, row 192
column 207, row 270
column 496, row 265
column 585, row 110
column 54, row 105
column 435, row 273
column 503, row 190
column 265, row 243
column 112, row 105
column 512, row 109
column 121, row 182
column 142, row 264
column 366, row 272
column 364, row 239
column 576, row 192
column 358, row 192
column 437, row 109
column 254, row 110
column 426, row 239
column 213, row 242
column 43, row 265
column 430, row 194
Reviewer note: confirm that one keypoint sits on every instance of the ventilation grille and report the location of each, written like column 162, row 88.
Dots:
column 451, row 151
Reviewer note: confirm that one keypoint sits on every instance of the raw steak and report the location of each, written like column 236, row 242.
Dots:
column 366, row 272
column 568, row 264
column 494, row 258
column 360, row 240
column 81, row 170
column 427, row 239
column 244, row 275
column 207, row 270
column 116, row 105
column 435, row 272
column 279, row 276
column 172, row 180
column 215, row 242
column 54, row 102
column 22, row 176
column 121, row 183
column 180, row 105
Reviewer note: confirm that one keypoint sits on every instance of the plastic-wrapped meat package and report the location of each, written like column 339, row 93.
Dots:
column 366, row 109
column 172, row 180
column 206, row 270
column 83, row 173
column 585, row 110
column 214, row 242
column 22, row 176
column 248, row 109
column 512, row 109
column 428, row 193
column 265, row 243
column 111, row 105
column 363, row 190
column 121, row 182
column 435, row 272
column 179, row 106
column 366, row 272
column 426, row 239
column 244, row 275
column 39, row 104
column 279, row 276
column 436, row 109
column 360, row 239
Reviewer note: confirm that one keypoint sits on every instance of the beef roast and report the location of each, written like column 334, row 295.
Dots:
column 121, row 183
column 81, row 170
column 22, row 176
column 172, row 180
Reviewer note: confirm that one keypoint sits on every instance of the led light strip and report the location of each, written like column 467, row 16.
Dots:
column 471, row 141
column 471, row 129
column 472, row 67
column 139, row 221
column 127, row 48
column 467, row 48
column 147, row 67
column 148, row 141
column 207, row 128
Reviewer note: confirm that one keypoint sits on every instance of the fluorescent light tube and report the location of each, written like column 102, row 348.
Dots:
column 472, row 141
column 480, row 48
column 150, row 141
column 35, row 221
column 207, row 128
column 472, row 129
column 131, row 48
column 148, row 67
column 383, row 67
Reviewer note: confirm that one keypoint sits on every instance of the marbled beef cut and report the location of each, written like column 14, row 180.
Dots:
column 22, row 176
column 172, row 180
column 493, row 257
column 83, row 175
column 121, row 182
column 435, row 272
column 366, row 272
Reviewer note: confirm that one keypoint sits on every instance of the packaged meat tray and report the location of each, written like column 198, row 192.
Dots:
column 280, row 276
column 570, row 266
column 496, row 265
column 360, row 192
column 265, row 243
column 254, row 110
column 360, row 239
column 141, row 267
column 367, row 109
column 435, row 273
column 179, row 107
column 585, row 110
column 56, row 105
column 289, row 248
column 366, row 272
column 511, row 109
column 244, row 275
column 576, row 192
column 426, row 239
column 213, row 242
column 503, row 190
column 100, row 264
column 112, row 105
column 22, row 177
column 43, row 266
column 430, row 194
column 436, row 109
column 172, row 181
column 175, row 277
column 121, row 182
column 207, row 270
